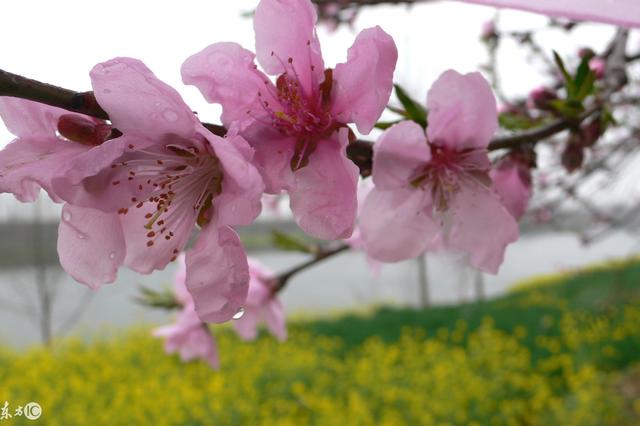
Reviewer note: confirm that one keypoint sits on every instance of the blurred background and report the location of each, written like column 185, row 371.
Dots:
column 427, row 341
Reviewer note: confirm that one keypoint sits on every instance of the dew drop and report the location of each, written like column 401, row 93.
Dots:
column 81, row 236
column 112, row 255
column 66, row 216
column 238, row 314
column 170, row 115
column 107, row 91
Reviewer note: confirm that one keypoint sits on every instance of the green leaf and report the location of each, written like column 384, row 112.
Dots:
column 567, row 77
column 384, row 125
column 164, row 299
column 568, row 108
column 398, row 111
column 414, row 110
column 607, row 119
column 584, row 81
column 587, row 86
column 517, row 122
column 582, row 73
column 289, row 242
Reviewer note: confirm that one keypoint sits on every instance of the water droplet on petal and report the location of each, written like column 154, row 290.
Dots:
column 112, row 255
column 66, row 216
column 238, row 314
column 81, row 236
column 170, row 115
column 107, row 91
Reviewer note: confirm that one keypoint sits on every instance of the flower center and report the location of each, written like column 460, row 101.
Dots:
column 298, row 115
column 293, row 112
column 441, row 175
column 444, row 174
column 180, row 180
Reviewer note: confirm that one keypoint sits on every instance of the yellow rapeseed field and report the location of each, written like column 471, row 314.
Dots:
column 458, row 375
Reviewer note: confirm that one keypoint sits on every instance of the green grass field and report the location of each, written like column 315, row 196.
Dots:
column 560, row 350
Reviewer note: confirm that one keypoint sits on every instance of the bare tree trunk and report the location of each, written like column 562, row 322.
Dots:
column 45, row 298
column 423, row 282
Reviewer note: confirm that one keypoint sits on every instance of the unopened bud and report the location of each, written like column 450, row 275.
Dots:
column 573, row 155
column 591, row 132
column 541, row 98
column 488, row 32
column 586, row 53
column 82, row 129
column 598, row 66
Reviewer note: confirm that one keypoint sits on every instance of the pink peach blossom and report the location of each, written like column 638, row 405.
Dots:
column 512, row 182
column 298, row 126
column 541, row 98
column 142, row 193
column 356, row 241
column 261, row 306
column 624, row 13
column 41, row 153
column 188, row 336
column 434, row 190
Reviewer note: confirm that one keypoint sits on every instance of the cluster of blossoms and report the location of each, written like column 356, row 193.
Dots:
column 135, row 188
column 192, row 339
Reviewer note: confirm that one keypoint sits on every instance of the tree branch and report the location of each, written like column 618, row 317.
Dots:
column 280, row 280
column 360, row 152
column 18, row 86
column 539, row 133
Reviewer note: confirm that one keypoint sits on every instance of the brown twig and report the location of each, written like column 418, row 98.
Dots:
column 539, row 133
column 25, row 88
column 360, row 152
column 280, row 280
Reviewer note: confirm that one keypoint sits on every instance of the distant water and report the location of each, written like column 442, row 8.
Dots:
column 337, row 284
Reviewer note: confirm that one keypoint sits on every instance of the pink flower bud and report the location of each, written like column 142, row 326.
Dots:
column 572, row 156
column 586, row 52
column 591, row 132
column 488, row 31
column 598, row 66
column 541, row 97
column 82, row 129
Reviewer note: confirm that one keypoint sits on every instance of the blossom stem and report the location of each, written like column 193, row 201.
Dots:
column 280, row 280
column 360, row 152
